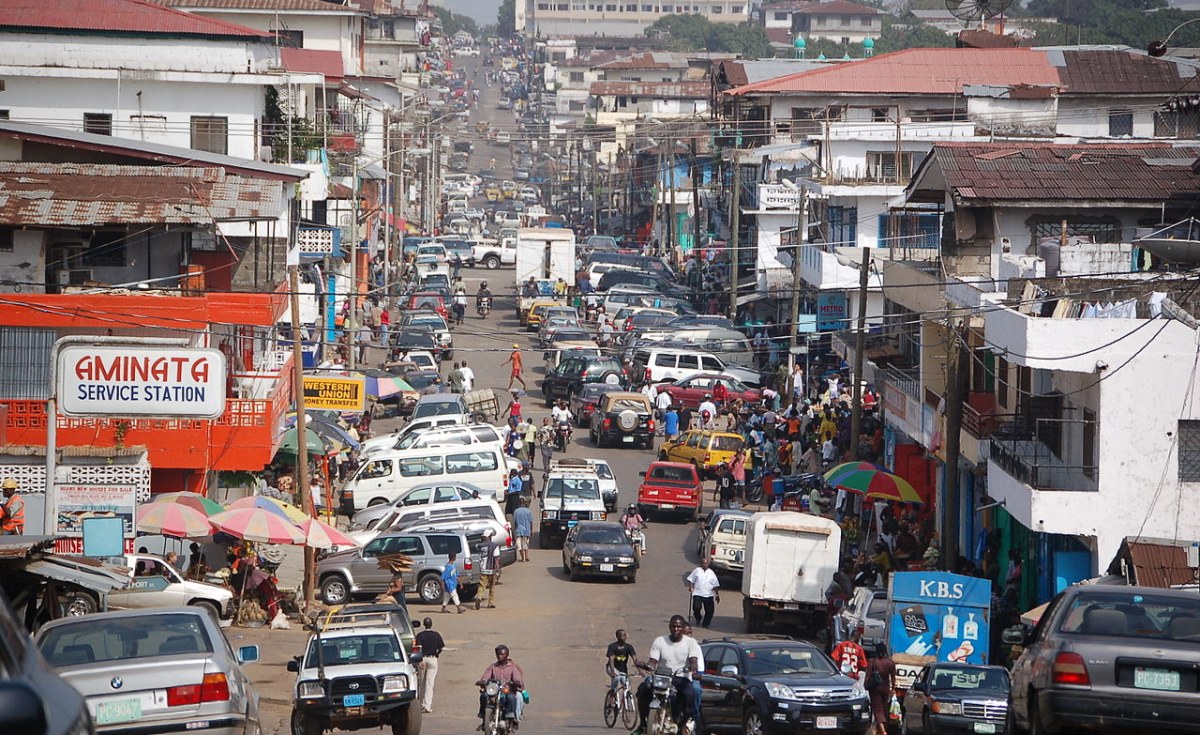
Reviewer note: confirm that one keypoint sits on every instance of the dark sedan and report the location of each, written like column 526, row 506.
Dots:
column 583, row 404
column 599, row 549
column 957, row 699
column 769, row 684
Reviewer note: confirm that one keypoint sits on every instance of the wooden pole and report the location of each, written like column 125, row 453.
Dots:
column 310, row 563
column 860, row 341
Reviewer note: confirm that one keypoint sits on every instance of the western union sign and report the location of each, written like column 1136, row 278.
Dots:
column 334, row 394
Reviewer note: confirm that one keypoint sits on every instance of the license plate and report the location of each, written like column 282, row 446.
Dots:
column 791, row 606
column 985, row 727
column 571, row 524
column 827, row 722
column 667, row 506
column 627, row 439
column 354, row 700
column 1159, row 679
column 606, row 567
column 122, row 710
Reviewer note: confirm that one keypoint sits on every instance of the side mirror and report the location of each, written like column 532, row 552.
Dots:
column 642, row 473
column 294, row 666
column 730, row 670
column 1017, row 635
column 21, row 709
column 838, row 604
column 247, row 654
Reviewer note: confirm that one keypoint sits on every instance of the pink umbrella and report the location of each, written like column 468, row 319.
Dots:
column 257, row 524
column 172, row 519
column 321, row 535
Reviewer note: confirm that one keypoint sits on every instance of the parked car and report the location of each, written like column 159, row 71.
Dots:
column 155, row 671
column 948, row 699
column 703, row 448
column 434, row 492
column 426, row 300
column 410, row 341
column 770, row 684
column 658, row 363
column 440, row 404
column 623, row 419
column 153, row 583
column 692, row 390
column 554, row 320
column 571, row 374
column 442, row 436
column 722, row 540
column 866, row 611
column 584, row 402
column 344, row 574
column 670, row 488
column 1105, row 659
column 604, row 474
column 599, row 549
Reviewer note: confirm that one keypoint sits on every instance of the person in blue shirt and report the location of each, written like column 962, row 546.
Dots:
column 513, row 493
column 523, row 527
column 450, row 583
column 671, row 423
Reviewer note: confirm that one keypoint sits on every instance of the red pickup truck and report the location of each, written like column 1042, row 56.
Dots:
column 670, row 487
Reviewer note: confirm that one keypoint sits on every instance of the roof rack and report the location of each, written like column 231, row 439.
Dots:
column 340, row 620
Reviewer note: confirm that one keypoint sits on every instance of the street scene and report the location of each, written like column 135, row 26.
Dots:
column 768, row 367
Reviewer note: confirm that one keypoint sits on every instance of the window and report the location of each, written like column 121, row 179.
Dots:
column 1177, row 124
column 780, row 16
column 377, row 468
column 418, row 497
column 291, row 39
column 1002, row 383
column 1189, row 451
column 843, row 226
column 97, row 123
column 3, row 114
column 716, row 10
column 865, row 20
column 421, row 467
column 647, row 8
column 210, row 134
column 664, row 360
column 106, row 249
column 444, row 545
column 882, row 165
column 737, row 9
column 466, row 462
column 575, row 76
column 6, row 240
column 610, row 8
column 1120, row 123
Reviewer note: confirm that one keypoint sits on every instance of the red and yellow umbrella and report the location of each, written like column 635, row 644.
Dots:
column 195, row 501
column 258, row 524
column 172, row 519
column 321, row 535
column 880, row 486
column 278, row 507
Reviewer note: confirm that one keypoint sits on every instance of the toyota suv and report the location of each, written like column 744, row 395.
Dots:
column 623, row 419
column 361, row 571
column 569, row 495
column 572, row 373
column 670, row 488
column 353, row 676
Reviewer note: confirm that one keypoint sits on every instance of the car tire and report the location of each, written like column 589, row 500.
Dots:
column 572, row 575
column 303, row 724
column 430, row 588
column 1035, row 719
column 377, row 501
column 752, row 722
column 410, row 723
column 632, row 578
column 543, row 540
column 904, row 728
column 547, row 396
column 926, row 723
column 335, row 590
column 491, row 262
column 77, row 603
column 566, row 566
column 627, row 420
column 209, row 605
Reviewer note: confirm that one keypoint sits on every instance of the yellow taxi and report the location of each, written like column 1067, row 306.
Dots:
column 493, row 193
column 704, row 449
column 510, row 190
column 533, row 318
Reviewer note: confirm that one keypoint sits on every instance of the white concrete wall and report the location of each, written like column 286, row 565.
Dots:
column 340, row 33
column 1088, row 117
column 1034, row 117
column 1014, row 224
column 106, row 54
column 25, row 265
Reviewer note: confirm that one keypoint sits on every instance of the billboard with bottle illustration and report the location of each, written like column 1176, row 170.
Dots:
column 937, row 616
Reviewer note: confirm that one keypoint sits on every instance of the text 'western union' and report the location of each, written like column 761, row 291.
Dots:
column 333, row 391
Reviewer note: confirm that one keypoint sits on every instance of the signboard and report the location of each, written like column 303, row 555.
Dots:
column 76, row 504
column 937, row 616
column 334, row 394
column 895, row 401
column 136, row 381
column 832, row 311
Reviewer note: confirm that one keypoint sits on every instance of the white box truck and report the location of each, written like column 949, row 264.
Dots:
column 790, row 561
column 545, row 253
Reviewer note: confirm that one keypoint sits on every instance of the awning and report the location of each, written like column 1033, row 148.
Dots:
column 82, row 572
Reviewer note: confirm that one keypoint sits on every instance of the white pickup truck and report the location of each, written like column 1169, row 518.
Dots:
column 492, row 254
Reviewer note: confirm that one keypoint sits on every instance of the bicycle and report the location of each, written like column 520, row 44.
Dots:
column 621, row 701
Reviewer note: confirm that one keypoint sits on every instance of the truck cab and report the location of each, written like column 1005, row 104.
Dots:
column 569, row 495
column 671, row 488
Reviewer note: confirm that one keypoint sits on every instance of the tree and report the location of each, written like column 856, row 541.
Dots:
column 454, row 22
column 506, row 18
column 689, row 32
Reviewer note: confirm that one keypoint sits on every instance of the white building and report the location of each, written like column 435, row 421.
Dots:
column 619, row 17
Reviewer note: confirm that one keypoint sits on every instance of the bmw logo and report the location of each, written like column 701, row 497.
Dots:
column 116, row 682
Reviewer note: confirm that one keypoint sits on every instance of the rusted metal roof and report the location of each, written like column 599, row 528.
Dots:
column 838, row 7
column 74, row 194
column 1027, row 172
column 1159, row 564
column 20, row 547
column 312, row 6
column 126, row 17
column 666, row 90
column 327, row 63
column 646, row 60
column 1108, row 71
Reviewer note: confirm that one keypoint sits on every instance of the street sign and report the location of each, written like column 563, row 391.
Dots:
column 334, row 394
column 832, row 311
column 138, row 381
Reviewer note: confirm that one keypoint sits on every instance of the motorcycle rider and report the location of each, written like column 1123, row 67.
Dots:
column 560, row 413
column 481, row 294
column 503, row 671
column 632, row 521
column 681, row 655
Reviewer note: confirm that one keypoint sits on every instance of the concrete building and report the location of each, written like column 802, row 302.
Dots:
column 620, row 17
column 838, row 20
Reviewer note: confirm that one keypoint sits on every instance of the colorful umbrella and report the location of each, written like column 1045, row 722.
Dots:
column 320, row 535
column 289, row 444
column 172, row 519
column 258, row 524
column 195, row 501
column 834, row 474
column 880, row 486
column 381, row 384
column 278, row 507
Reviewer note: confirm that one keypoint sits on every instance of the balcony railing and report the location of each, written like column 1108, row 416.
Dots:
column 1020, row 453
column 906, row 379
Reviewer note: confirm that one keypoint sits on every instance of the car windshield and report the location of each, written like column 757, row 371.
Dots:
column 595, row 390
column 607, row 536
column 1134, row 615
column 373, row 648
column 763, row 661
column 573, row 488
column 437, row 408
column 432, row 320
column 635, row 404
column 722, row 443
column 121, row 639
column 971, row 680
column 603, row 471
column 420, row 380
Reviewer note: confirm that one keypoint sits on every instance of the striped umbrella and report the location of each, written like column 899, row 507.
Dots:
column 321, row 535
column 172, row 519
column 834, row 475
column 278, row 507
column 258, row 524
column 195, row 501
column 880, row 486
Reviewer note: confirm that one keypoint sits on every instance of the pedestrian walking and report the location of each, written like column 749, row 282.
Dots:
column 455, row 379
column 705, row 590
column 468, row 378
column 514, row 359
column 488, row 571
column 523, row 527
column 432, row 645
column 512, row 493
column 545, row 442
column 450, row 583
column 881, row 686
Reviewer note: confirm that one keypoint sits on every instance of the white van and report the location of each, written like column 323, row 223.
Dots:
column 443, row 436
column 382, row 477
column 404, row 517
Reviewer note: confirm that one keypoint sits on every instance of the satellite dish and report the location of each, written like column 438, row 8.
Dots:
column 976, row 10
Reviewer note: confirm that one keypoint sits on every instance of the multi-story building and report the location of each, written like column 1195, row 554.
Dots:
column 620, row 17
column 838, row 20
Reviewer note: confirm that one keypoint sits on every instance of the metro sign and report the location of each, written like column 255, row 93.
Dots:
column 138, row 381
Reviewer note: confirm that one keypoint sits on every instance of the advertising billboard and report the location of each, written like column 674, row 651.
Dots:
column 937, row 616
column 136, row 381
column 334, row 394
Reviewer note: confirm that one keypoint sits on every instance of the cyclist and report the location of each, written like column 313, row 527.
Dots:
column 619, row 653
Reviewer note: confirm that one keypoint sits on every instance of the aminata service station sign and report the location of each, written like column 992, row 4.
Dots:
column 140, row 381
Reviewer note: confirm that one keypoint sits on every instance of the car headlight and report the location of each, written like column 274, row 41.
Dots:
column 549, row 515
column 583, row 557
column 779, row 691
column 311, row 690
column 394, row 684
column 947, row 708
column 626, row 560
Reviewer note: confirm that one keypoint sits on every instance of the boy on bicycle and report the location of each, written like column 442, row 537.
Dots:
column 619, row 654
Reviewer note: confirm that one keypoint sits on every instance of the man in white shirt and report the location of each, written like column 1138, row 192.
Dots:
column 662, row 402
column 681, row 655
column 705, row 589
column 708, row 412
column 468, row 377
column 560, row 413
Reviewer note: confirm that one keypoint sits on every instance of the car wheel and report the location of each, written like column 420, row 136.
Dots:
column 209, row 605
column 430, row 589
column 410, row 723
column 573, row 575
column 1035, row 720
column 467, row 592
column 303, row 724
column 566, row 565
column 632, row 578
column 377, row 501
column 547, row 396
column 904, row 728
column 335, row 590
column 491, row 262
column 752, row 722
column 77, row 603
column 543, row 540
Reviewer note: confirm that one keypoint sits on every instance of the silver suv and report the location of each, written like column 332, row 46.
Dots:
column 345, row 574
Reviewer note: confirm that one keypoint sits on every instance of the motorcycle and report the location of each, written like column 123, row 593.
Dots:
column 637, row 537
column 494, row 721
column 483, row 305
column 663, row 719
column 562, row 437
column 589, row 314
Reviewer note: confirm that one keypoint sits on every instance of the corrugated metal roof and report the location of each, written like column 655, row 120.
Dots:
column 326, row 63
column 916, row 71
column 838, row 7
column 1102, row 71
column 666, row 90
column 1159, row 565
column 19, row 547
column 127, row 17
column 646, row 60
column 78, row 570
column 312, row 6
column 1020, row 172
column 70, row 194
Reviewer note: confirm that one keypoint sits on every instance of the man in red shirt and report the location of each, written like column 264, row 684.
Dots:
column 850, row 656
column 515, row 360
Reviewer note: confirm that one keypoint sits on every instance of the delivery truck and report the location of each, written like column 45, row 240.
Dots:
column 545, row 254
column 790, row 562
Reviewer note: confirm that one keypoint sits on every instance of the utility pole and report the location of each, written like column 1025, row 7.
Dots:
column 860, row 346
column 956, row 379
column 658, row 195
column 351, row 325
column 801, row 237
column 671, row 218
column 310, row 559
column 735, row 213
column 695, row 171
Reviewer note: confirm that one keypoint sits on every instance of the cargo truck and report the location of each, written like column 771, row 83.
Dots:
column 545, row 254
column 790, row 562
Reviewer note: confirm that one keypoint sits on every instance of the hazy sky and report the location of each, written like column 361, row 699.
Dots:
column 483, row 11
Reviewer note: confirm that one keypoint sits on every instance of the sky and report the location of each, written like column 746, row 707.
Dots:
column 483, row 11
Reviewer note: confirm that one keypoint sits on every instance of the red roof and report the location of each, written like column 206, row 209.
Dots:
column 128, row 17
column 319, row 6
column 916, row 71
column 328, row 63
column 838, row 7
column 665, row 90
